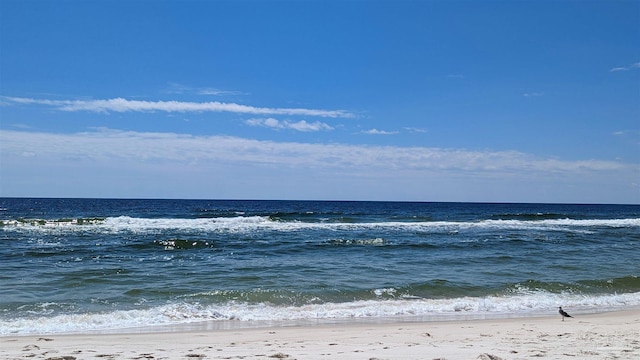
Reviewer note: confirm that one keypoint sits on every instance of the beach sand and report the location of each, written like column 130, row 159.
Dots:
column 612, row 335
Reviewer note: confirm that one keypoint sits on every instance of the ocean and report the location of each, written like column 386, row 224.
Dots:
column 84, row 265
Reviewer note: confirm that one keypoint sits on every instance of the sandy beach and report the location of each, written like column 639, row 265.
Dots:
column 612, row 335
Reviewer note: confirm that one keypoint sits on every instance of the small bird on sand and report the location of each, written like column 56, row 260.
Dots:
column 563, row 313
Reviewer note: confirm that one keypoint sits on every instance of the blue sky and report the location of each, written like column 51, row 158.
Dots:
column 518, row 101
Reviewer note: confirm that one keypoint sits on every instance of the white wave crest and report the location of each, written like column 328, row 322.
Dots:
column 264, row 223
column 525, row 303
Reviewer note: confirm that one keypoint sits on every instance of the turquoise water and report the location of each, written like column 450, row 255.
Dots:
column 95, row 264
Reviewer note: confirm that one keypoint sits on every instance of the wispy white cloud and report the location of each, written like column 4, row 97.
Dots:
column 125, row 105
column 626, row 68
column 22, row 126
column 633, row 135
column 176, row 88
column 115, row 145
column 379, row 132
column 533, row 94
column 302, row 125
column 214, row 91
column 416, row 130
column 117, row 163
column 627, row 132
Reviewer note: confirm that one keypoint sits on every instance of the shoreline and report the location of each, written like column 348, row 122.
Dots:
column 234, row 324
column 614, row 334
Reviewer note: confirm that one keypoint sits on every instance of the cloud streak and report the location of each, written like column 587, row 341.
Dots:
column 626, row 68
column 175, row 88
column 114, row 163
column 125, row 105
column 379, row 132
column 302, row 125
column 114, row 146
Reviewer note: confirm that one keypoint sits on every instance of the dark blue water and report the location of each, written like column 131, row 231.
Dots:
column 84, row 264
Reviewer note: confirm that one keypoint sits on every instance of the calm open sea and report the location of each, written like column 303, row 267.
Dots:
column 73, row 265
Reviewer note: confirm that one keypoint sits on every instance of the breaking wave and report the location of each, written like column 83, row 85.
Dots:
column 256, row 223
column 523, row 302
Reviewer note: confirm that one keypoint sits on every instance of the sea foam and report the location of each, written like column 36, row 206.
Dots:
column 525, row 303
column 264, row 223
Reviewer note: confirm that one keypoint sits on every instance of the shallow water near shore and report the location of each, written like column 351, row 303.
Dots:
column 74, row 265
